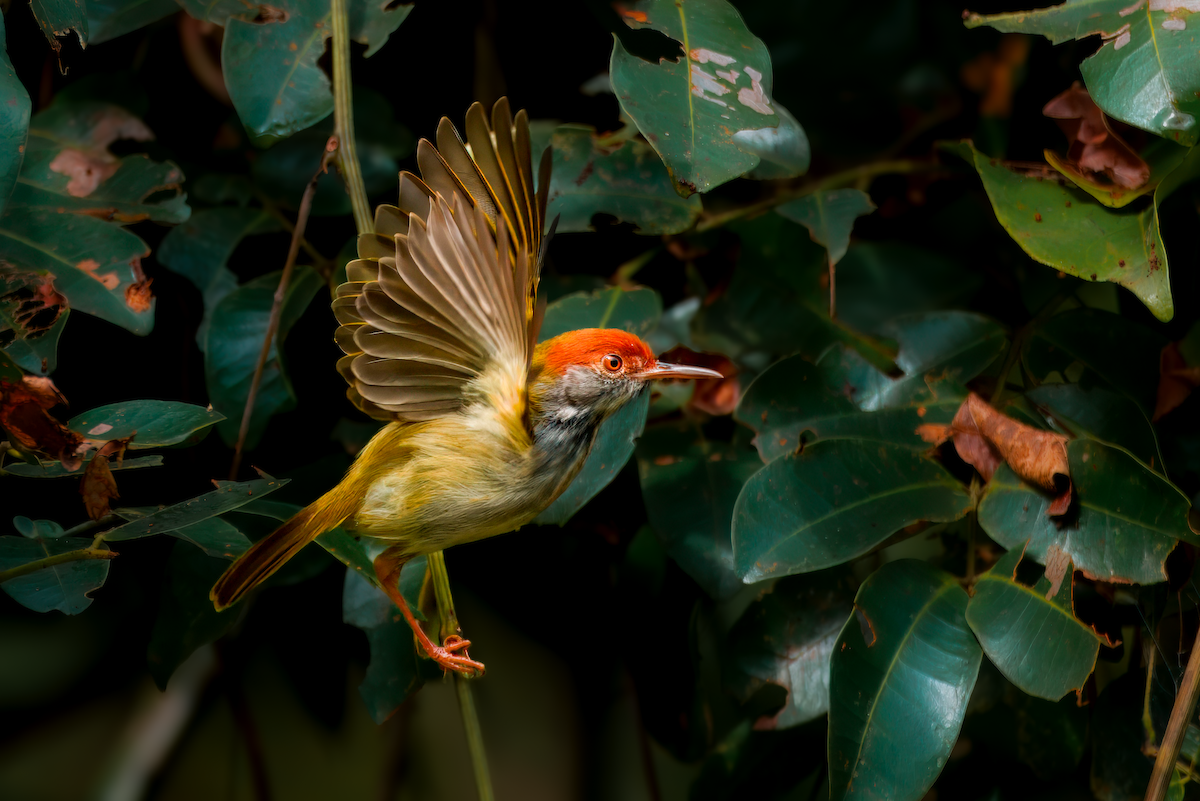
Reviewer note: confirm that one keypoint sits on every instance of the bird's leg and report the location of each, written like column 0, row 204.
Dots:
column 387, row 570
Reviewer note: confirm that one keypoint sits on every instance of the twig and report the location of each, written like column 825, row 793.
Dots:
column 1018, row 342
column 1181, row 714
column 331, row 147
column 832, row 289
column 343, row 118
column 323, row 265
column 466, row 702
column 91, row 552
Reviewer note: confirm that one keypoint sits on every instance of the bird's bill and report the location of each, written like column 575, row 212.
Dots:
column 664, row 370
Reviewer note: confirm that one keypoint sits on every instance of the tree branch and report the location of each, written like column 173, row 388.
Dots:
column 1181, row 714
column 90, row 552
column 343, row 119
column 331, row 147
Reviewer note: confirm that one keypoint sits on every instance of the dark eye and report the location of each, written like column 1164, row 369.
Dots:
column 612, row 362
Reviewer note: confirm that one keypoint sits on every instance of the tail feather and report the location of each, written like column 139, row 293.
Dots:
column 270, row 553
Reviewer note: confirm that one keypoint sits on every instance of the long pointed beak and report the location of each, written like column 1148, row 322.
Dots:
column 663, row 370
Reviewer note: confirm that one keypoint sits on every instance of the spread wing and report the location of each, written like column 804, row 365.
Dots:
column 443, row 292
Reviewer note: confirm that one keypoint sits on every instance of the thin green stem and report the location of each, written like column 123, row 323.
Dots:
column 343, row 119
column 862, row 172
column 81, row 555
column 466, row 701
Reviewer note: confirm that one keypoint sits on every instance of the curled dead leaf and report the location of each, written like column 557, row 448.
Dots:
column 1176, row 380
column 1095, row 149
column 98, row 485
column 24, row 417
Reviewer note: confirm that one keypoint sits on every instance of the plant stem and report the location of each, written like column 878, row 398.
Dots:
column 82, row 554
column 1018, row 342
column 850, row 176
column 466, row 702
column 331, row 147
column 343, row 118
column 1172, row 741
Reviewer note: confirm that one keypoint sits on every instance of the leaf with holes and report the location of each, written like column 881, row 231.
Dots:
column 64, row 587
column 32, row 318
column 626, row 180
column 1031, row 633
column 834, row 501
column 829, row 216
column 900, row 676
column 59, row 17
column 1127, row 521
column 151, row 423
column 199, row 250
column 690, row 486
column 691, row 110
column 1145, row 72
column 235, row 339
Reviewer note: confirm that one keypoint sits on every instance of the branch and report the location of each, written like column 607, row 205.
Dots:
column 331, row 147
column 1181, row 713
column 466, row 702
column 90, row 552
column 343, row 119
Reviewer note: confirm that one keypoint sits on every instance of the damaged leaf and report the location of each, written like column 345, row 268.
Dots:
column 98, row 486
column 147, row 423
column 829, row 216
column 1095, row 152
column 691, row 109
column 1031, row 633
column 1145, row 72
column 1065, row 228
column 25, row 418
column 32, row 317
column 59, row 17
column 1127, row 520
column 628, row 182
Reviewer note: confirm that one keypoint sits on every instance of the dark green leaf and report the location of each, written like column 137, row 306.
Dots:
column 108, row 19
column 900, row 676
column 34, row 529
column 721, row 63
column 833, row 502
column 200, row 249
column 14, row 123
column 829, row 216
column 690, row 486
column 64, row 586
column 784, row 150
column 1101, row 415
column 151, row 423
column 636, row 311
column 1050, row 736
column 271, row 67
column 56, row 470
column 60, row 17
column 786, row 638
column 216, row 537
column 227, row 497
column 186, row 618
column 1128, row 518
column 1064, row 228
column 1145, row 72
column 235, row 338
column 1120, row 769
column 629, row 182
column 1106, row 346
column 1033, row 637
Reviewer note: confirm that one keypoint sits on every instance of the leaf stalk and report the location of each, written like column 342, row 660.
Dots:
column 83, row 554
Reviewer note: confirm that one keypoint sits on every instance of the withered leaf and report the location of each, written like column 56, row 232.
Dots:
column 1095, row 149
column 24, row 417
column 1176, row 380
column 98, row 487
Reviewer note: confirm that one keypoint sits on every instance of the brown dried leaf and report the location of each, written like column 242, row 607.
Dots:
column 972, row 445
column 1035, row 456
column 98, row 487
column 1175, row 380
column 1095, row 149
column 994, row 74
column 24, row 416
column 715, row 396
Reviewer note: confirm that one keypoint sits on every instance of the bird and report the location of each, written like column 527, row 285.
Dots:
column 438, row 320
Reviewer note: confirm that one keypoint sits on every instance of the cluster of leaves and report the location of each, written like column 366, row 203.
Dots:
column 861, row 506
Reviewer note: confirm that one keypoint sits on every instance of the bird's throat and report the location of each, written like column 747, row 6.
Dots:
column 562, row 438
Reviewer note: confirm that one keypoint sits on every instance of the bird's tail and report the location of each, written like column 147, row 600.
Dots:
column 270, row 553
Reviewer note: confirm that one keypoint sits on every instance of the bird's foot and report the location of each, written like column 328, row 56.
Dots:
column 447, row 657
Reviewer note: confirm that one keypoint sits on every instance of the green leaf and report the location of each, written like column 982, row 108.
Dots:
column 218, row 538
column 784, row 150
column 1129, row 517
column 235, row 338
column 1050, row 736
column 394, row 672
column 56, row 470
column 786, row 638
column 64, row 587
column 1108, row 347
column 834, row 501
column 186, row 618
column 199, row 250
column 34, row 529
column 1145, row 72
column 284, row 171
column 691, row 109
column 900, row 676
column 629, row 182
column 151, row 423
column 829, row 216
column 1064, row 228
column 1101, row 415
column 32, row 318
column 229, row 495
column 1120, row 769
column 638, row 312
column 60, row 17
column 1033, row 637
column 271, row 67
column 14, row 123
column 108, row 19
column 690, row 486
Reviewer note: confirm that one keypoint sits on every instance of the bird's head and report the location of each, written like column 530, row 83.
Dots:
column 596, row 371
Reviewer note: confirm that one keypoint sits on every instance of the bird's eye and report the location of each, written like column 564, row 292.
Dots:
column 612, row 362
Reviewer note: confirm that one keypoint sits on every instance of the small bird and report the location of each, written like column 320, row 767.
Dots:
column 439, row 324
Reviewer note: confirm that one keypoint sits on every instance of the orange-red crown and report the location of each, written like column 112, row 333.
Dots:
column 590, row 345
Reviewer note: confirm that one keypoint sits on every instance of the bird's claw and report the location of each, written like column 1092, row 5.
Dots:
column 447, row 658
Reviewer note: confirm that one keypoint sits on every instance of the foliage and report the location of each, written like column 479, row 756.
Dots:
column 820, row 576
